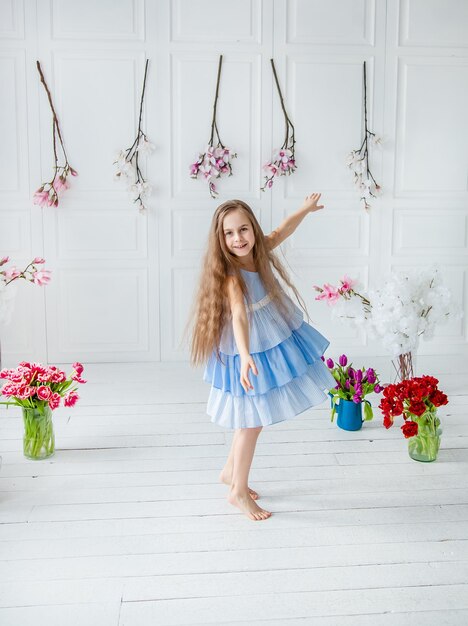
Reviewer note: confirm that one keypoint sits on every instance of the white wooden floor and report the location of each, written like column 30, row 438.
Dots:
column 127, row 525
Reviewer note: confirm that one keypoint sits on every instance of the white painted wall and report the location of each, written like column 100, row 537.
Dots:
column 123, row 282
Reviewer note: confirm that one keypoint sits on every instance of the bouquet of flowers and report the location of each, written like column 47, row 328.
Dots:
column 212, row 164
column 38, row 390
column 407, row 305
column 417, row 400
column 352, row 384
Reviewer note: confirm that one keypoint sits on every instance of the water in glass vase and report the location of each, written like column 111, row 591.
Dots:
column 425, row 445
column 38, row 438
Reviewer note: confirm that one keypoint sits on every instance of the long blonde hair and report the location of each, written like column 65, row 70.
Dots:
column 211, row 307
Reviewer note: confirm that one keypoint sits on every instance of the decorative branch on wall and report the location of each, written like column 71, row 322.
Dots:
column 127, row 162
column 216, row 160
column 283, row 160
column 48, row 193
column 358, row 160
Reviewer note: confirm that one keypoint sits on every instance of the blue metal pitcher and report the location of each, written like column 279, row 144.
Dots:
column 349, row 415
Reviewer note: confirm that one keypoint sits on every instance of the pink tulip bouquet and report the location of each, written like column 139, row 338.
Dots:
column 38, row 389
column 352, row 384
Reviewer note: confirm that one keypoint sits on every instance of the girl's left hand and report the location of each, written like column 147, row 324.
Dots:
column 310, row 202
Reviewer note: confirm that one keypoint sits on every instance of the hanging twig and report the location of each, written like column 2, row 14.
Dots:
column 358, row 160
column 283, row 160
column 216, row 160
column 127, row 162
column 48, row 193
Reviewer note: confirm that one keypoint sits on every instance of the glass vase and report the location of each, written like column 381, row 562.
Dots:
column 38, row 438
column 404, row 366
column 425, row 445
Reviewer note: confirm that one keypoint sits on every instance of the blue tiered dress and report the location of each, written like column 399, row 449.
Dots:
column 287, row 352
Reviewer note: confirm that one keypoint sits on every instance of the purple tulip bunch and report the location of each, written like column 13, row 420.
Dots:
column 352, row 384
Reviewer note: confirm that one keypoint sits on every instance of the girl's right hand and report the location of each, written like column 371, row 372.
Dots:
column 247, row 363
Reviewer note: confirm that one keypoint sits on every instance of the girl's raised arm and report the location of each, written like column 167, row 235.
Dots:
column 290, row 224
column 240, row 325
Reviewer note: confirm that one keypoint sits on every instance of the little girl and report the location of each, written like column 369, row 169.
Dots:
column 263, row 360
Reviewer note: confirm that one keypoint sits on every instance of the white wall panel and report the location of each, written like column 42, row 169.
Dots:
column 333, row 22
column 330, row 232
column 184, row 283
column 211, row 20
column 430, row 232
column 13, row 124
column 325, row 103
column 432, row 126
column 12, row 19
column 190, row 231
column 99, row 311
column 105, row 19
column 14, row 233
column 91, row 237
column 434, row 23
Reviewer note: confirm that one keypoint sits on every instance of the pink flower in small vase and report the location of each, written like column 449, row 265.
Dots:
column 71, row 399
column 41, row 277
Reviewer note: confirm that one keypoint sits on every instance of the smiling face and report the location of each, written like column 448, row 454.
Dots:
column 238, row 234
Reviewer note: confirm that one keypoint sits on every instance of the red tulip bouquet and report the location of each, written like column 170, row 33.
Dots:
column 38, row 390
column 417, row 400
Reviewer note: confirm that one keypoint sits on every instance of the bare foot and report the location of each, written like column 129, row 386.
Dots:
column 227, row 481
column 245, row 503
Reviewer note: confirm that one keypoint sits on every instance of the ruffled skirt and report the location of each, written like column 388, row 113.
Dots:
column 291, row 374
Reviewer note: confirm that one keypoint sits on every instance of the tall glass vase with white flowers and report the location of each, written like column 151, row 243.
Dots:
column 405, row 307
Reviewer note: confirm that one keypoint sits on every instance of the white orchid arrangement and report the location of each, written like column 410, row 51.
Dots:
column 127, row 161
column 216, row 160
column 405, row 307
column 283, row 161
column 358, row 160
